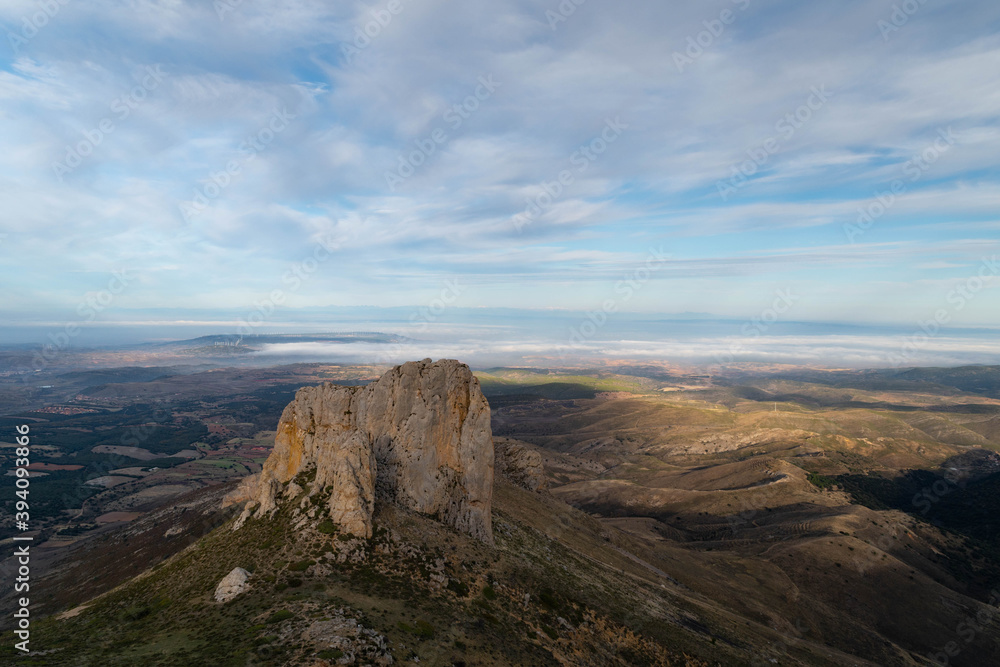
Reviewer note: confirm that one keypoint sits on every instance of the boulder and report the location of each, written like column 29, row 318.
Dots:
column 231, row 585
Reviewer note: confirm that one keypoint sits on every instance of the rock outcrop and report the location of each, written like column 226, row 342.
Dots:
column 419, row 437
column 518, row 464
column 231, row 585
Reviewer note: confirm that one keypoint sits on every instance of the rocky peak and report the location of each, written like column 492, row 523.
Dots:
column 419, row 437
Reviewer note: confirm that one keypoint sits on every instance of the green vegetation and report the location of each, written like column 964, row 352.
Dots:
column 511, row 386
column 420, row 628
column 330, row 654
column 822, row 481
column 279, row 616
column 458, row 588
column 548, row 599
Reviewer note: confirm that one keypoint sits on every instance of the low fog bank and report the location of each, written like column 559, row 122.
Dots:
column 835, row 351
column 558, row 338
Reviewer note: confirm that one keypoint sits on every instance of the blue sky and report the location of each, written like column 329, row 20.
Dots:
column 119, row 121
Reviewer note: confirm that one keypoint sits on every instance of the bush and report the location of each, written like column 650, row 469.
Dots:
column 458, row 588
column 279, row 616
column 548, row 599
column 330, row 654
column 822, row 481
column 423, row 628
column 136, row 613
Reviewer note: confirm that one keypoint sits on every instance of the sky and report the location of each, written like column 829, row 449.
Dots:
column 242, row 161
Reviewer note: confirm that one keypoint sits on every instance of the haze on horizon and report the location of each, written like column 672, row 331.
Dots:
column 193, row 167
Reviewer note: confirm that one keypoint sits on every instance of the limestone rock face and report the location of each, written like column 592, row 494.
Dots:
column 518, row 464
column 419, row 437
column 231, row 585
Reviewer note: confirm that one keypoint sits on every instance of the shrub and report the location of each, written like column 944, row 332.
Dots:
column 458, row 588
column 421, row 628
column 822, row 481
column 548, row 599
column 279, row 616
column 330, row 654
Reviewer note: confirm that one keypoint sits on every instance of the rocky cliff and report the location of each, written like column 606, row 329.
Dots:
column 419, row 437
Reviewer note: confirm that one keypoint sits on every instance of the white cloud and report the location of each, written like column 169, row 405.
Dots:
column 656, row 185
